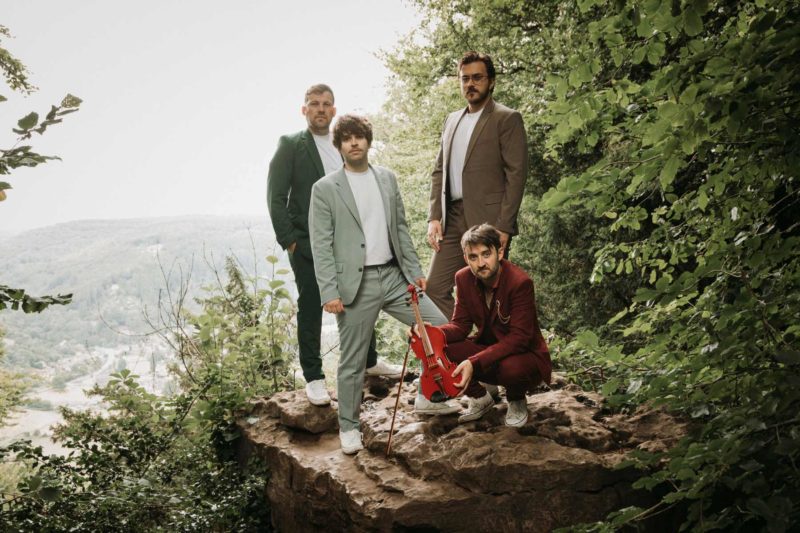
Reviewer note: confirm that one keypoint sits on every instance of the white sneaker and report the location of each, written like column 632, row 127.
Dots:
column 477, row 408
column 317, row 393
column 351, row 441
column 382, row 368
column 517, row 413
column 423, row 406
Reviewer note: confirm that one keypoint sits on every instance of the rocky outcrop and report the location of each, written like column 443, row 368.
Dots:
column 559, row 469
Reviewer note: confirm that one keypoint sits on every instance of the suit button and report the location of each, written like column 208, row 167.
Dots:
column 362, row 246
column 359, row 269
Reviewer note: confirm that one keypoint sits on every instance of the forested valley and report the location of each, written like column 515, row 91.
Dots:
column 660, row 223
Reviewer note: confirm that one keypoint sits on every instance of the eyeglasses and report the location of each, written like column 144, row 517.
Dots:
column 477, row 78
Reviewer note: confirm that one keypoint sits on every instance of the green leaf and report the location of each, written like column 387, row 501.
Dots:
column 702, row 200
column 50, row 494
column 553, row 198
column 4, row 186
column 28, row 121
column 692, row 23
column 587, row 338
column 669, row 171
column 71, row 101
column 638, row 55
column 610, row 387
column 764, row 22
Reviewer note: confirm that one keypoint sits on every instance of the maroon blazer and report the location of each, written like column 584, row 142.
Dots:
column 511, row 318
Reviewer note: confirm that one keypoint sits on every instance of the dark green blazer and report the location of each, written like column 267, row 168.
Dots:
column 294, row 169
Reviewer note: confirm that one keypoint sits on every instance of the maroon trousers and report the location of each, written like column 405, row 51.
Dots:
column 517, row 372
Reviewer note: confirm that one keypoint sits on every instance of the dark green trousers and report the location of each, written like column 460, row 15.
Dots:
column 309, row 314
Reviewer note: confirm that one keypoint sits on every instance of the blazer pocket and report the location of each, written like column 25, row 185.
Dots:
column 494, row 198
column 339, row 268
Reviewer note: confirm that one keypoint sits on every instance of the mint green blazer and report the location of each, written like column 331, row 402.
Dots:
column 337, row 239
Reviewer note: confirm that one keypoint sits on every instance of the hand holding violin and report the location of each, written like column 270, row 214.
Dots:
column 465, row 370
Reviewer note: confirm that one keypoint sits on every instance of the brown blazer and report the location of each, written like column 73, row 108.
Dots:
column 511, row 319
column 495, row 169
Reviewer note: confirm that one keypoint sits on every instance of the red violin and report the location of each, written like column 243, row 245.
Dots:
column 436, row 380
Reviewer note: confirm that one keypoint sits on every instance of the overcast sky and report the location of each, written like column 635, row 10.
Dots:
column 183, row 101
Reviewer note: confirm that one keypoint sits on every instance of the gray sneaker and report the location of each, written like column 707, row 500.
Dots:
column 517, row 414
column 423, row 406
column 477, row 408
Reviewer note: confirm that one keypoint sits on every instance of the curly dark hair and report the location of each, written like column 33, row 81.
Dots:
column 484, row 234
column 351, row 125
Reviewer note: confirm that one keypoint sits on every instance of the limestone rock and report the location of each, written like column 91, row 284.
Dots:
column 557, row 470
column 293, row 410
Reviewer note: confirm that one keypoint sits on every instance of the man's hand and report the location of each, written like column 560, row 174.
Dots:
column 422, row 283
column 415, row 330
column 434, row 234
column 503, row 240
column 464, row 369
column 334, row 306
column 291, row 247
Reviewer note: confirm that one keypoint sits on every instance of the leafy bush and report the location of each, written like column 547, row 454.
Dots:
column 167, row 463
column 666, row 245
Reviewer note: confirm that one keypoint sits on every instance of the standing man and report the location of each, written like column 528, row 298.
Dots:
column 300, row 160
column 364, row 261
column 508, row 349
column 479, row 175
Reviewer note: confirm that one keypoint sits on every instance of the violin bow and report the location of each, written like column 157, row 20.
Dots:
column 397, row 400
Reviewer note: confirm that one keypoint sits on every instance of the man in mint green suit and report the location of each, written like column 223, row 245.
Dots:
column 300, row 160
column 364, row 260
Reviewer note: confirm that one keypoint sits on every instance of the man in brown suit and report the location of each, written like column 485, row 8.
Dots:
column 479, row 175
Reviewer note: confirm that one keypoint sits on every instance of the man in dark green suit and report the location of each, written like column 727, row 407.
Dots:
column 301, row 159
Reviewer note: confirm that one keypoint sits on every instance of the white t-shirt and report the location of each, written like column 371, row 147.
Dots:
column 458, row 152
column 331, row 158
column 373, row 217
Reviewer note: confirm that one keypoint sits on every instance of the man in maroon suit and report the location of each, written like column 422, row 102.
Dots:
column 508, row 349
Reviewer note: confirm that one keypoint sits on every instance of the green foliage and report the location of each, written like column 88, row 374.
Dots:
column 16, row 76
column 694, row 109
column 17, row 299
column 167, row 463
column 526, row 40
column 11, row 386
column 17, row 156
column 666, row 246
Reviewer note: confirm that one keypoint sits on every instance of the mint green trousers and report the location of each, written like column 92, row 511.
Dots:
column 382, row 289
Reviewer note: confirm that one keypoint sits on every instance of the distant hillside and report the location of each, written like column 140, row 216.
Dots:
column 112, row 268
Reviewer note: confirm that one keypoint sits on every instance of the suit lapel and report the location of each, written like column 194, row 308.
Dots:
column 346, row 195
column 313, row 153
column 478, row 128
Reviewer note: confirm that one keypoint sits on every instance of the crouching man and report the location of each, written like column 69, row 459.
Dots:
column 497, row 297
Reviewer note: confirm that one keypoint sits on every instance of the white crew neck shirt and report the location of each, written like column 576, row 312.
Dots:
column 331, row 158
column 458, row 152
column 372, row 214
